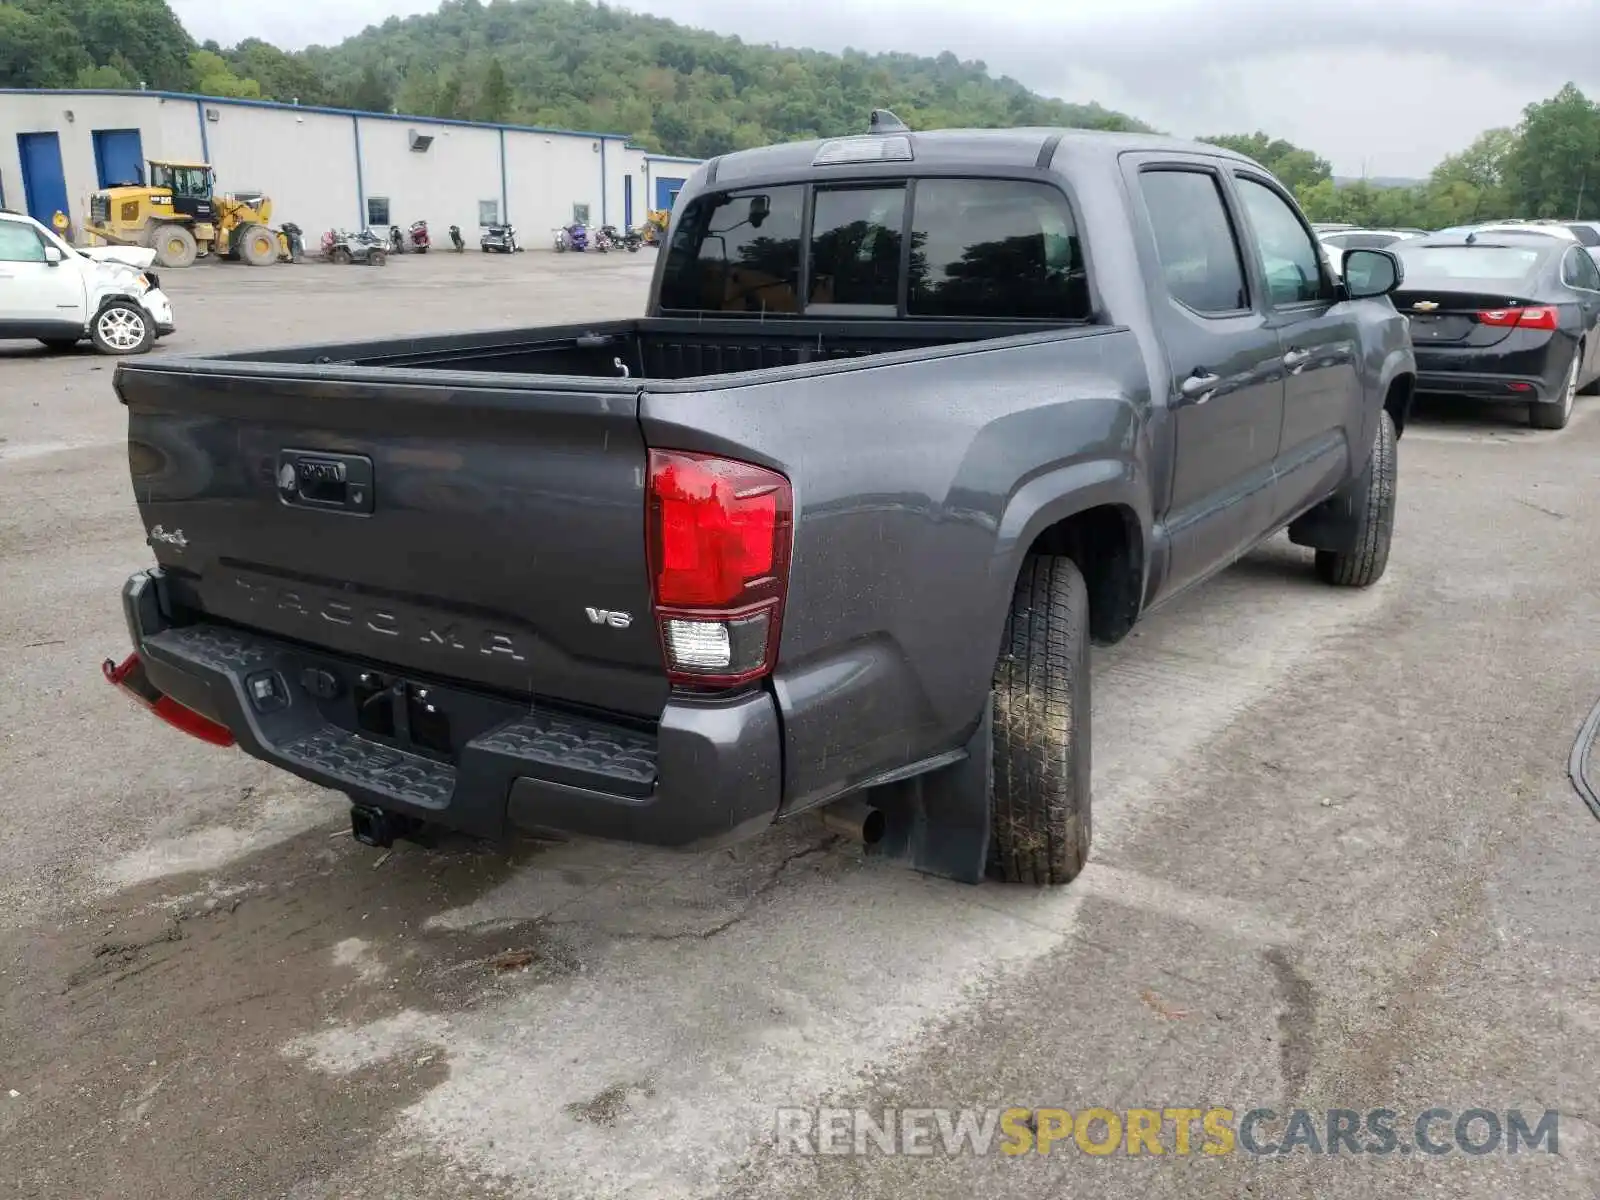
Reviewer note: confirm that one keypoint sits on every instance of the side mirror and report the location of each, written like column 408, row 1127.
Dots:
column 760, row 208
column 52, row 255
column 1371, row 273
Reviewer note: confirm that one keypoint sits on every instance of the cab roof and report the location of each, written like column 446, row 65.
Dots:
column 945, row 149
column 179, row 162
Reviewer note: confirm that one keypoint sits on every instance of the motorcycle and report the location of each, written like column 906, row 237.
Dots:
column 631, row 240
column 397, row 240
column 501, row 239
column 457, row 242
column 572, row 237
column 419, row 237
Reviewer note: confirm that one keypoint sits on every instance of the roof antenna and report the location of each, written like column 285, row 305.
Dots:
column 884, row 121
column 1472, row 238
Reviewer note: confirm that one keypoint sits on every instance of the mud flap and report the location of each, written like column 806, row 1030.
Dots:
column 939, row 823
column 1337, row 523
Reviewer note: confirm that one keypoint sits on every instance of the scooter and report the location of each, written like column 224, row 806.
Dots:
column 397, row 240
column 501, row 239
column 457, row 242
column 419, row 237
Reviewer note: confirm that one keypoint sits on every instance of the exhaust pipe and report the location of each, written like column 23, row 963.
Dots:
column 371, row 826
column 857, row 820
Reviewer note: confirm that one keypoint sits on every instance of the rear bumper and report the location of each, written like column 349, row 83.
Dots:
column 1475, row 386
column 706, row 774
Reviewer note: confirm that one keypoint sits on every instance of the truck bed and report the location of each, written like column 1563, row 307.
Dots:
column 648, row 348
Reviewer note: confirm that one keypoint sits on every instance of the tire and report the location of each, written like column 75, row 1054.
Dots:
column 1364, row 566
column 60, row 345
column 1041, row 727
column 1556, row 416
column 122, row 327
column 377, row 258
column 174, row 246
column 341, row 255
column 257, row 245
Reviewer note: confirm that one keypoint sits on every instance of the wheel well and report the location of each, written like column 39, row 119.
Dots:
column 1397, row 403
column 1105, row 545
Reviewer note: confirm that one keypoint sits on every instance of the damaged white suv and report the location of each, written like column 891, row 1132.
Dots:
column 62, row 296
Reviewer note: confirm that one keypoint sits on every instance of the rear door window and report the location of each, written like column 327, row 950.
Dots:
column 1199, row 257
column 855, row 251
column 995, row 248
column 739, row 252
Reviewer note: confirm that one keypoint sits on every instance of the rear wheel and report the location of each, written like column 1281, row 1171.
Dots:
column 1041, row 727
column 122, row 327
column 341, row 255
column 1556, row 416
column 258, row 246
column 174, row 246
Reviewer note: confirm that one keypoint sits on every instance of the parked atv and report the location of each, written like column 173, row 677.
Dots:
column 344, row 248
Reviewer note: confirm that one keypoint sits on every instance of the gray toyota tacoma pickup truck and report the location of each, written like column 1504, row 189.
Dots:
column 911, row 419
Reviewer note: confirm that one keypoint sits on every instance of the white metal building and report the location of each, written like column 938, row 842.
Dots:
column 329, row 168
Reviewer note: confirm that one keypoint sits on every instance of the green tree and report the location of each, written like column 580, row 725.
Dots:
column 39, row 49
column 1554, row 168
column 1291, row 164
column 214, row 77
column 372, row 92
column 494, row 95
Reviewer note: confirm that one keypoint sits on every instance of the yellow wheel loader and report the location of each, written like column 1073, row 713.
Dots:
column 655, row 225
column 177, row 214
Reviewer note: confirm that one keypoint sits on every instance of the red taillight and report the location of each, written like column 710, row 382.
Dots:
column 128, row 676
column 1522, row 318
column 719, row 536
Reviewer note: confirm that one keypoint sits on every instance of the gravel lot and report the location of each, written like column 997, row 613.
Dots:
column 1337, row 865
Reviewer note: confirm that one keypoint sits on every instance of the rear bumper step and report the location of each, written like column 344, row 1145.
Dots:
column 708, row 773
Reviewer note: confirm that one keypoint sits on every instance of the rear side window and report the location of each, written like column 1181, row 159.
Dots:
column 739, row 252
column 995, row 248
column 1587, row 235
column 855, row 249
column 1194, row 240
column 1578, row 270
column 20, row 243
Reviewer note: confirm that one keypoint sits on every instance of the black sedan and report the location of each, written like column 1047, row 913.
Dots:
column 1503, row 317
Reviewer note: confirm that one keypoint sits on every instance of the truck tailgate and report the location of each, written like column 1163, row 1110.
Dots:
column 469, row 527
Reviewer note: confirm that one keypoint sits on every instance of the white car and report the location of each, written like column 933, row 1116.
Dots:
column 1335, row 242
column 62, row 296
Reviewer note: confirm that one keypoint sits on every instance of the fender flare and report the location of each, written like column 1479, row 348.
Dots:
column 1052, row 496
column 1399, row 361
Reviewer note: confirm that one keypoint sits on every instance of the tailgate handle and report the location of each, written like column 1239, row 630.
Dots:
column 315, row 479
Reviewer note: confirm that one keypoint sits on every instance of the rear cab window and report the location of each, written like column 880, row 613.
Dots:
column 921, row 248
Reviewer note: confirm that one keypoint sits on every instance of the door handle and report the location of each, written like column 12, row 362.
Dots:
column 1295, row 359
column 1199, row 386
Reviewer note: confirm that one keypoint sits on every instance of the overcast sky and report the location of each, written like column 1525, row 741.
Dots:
column 1383, row 86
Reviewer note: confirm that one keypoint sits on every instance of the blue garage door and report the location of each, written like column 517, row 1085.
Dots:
column 118, row 156
column 44, row 183
column 627, row 201
column 667, row 192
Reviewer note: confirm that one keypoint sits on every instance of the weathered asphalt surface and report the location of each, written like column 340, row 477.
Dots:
column 1337, row 865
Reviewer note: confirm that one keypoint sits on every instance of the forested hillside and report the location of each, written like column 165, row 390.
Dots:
column 578, row 65
column 539, row 62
